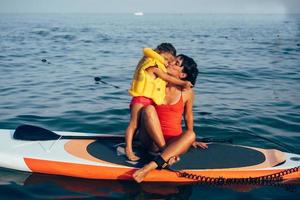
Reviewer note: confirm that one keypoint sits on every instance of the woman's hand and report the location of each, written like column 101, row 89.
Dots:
column 202, row 145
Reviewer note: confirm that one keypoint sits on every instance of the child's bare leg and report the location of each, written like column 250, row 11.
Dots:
column 131, row 129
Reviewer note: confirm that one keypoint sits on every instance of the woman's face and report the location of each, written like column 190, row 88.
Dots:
column 175, row 68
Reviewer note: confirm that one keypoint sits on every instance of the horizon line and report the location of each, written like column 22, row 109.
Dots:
column 238, row 13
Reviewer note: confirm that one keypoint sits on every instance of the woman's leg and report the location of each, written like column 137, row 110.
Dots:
column 179, row 145
column 175, row 148
column 150, row 129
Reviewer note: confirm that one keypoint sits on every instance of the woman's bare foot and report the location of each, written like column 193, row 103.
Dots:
column 173, row 160
column 140, row 174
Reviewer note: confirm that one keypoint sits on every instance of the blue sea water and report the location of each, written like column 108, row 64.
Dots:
column 247, row 89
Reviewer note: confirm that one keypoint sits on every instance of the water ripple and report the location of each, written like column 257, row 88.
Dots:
column 247, row 88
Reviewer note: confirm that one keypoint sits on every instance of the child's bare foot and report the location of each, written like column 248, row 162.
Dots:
column 131, row 156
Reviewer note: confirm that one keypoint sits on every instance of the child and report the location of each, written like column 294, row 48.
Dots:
column 148, row 86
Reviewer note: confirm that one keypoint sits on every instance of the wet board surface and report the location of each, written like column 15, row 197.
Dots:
column 217, row 156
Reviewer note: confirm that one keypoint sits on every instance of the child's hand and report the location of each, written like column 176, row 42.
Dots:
column 187, row 85
column 130, row 155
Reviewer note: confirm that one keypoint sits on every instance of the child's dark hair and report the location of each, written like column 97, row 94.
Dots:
column 190, row 68
column 166, row 47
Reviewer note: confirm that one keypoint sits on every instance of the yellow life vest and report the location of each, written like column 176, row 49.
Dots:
column 143, row 84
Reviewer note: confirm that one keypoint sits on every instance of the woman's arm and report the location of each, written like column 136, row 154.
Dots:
column 189, row 118
column 188, row 109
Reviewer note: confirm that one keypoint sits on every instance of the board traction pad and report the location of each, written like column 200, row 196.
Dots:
column 216, row 156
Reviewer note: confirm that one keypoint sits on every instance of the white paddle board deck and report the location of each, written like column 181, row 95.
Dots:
column 104, row 158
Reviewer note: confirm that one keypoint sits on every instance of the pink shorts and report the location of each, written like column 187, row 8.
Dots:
column 142, row 100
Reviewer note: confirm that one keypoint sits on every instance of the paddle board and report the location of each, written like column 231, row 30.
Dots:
column 103, row 158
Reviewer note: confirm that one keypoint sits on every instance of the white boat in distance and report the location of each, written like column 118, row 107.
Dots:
column 139, row 13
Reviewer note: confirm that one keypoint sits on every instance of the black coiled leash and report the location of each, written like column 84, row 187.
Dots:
column 266, row 179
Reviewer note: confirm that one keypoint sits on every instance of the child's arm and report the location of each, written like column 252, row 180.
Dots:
column 150, row 53
column 170, row 79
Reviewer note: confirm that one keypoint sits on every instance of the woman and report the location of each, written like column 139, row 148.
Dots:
column 161, row 129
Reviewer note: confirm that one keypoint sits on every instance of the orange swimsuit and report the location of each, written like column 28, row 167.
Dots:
column 170, row 117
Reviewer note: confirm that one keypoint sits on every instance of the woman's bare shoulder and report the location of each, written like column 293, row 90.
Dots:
column 188, row 94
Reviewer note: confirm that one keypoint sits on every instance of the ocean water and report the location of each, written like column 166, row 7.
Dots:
column 247, row 89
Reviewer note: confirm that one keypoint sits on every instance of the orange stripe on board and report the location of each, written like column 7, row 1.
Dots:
column 93, row 172
column 118, row 173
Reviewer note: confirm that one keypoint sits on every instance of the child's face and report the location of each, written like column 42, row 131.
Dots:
column 169, row 58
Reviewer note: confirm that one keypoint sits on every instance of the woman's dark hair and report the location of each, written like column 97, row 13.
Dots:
column 166, row 47
column 190, row 68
